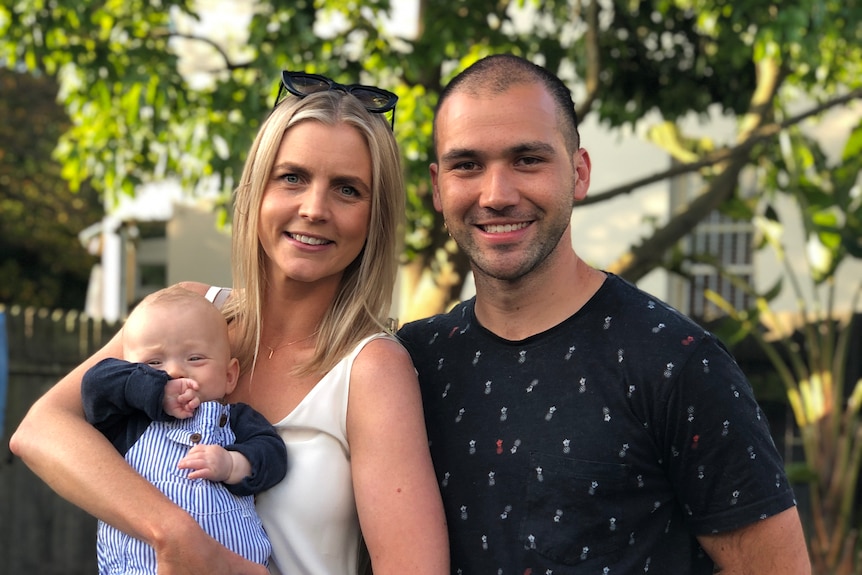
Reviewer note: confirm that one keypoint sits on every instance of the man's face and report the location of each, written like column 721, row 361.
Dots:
column 505, row 182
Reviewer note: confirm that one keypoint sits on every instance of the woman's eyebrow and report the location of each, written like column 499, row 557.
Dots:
column 287, row 166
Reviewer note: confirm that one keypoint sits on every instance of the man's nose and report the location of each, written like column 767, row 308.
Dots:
column 498, row 189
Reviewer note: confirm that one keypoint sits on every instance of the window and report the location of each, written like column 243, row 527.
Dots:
column 150, row 270
column 719, row 241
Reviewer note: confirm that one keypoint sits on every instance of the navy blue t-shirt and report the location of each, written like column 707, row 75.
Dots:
column 603, row 445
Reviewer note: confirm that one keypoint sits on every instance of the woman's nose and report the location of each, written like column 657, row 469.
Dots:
column 315, row 203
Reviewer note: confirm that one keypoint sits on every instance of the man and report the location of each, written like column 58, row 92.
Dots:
column 577, row 424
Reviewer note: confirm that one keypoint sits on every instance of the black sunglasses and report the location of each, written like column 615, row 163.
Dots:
column 300, row 84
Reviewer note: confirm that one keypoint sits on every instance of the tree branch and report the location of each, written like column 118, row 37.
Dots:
column 759, row 134
column 594, row 62
column 650, row 253
column 228, row 65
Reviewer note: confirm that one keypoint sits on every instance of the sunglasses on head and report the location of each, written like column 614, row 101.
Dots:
column 376, row 100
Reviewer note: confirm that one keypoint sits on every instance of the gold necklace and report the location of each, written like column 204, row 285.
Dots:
column 272, row 350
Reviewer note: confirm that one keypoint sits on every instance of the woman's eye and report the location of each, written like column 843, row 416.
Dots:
column 349, row 191
column 290, row 178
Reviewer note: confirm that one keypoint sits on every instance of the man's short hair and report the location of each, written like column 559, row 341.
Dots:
column 497, row 73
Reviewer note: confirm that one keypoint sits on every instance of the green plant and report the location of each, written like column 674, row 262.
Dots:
column 810, row 355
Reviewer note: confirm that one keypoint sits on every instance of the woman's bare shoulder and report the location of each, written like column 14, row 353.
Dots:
column 382, row 359
column 382, row 350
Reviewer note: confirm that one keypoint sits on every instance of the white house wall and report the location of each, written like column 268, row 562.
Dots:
column 602, row 232
column 196, row 248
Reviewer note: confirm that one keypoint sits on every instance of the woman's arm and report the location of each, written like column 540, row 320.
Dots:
column 397, row 496
column 79, row 463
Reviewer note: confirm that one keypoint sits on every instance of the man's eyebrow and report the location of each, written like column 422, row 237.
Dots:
column 535, row 147
column 459, row 154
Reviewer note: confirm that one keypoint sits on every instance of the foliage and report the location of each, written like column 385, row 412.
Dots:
column 812, row 372
column 42, row 263
column 137, row 115
column 810, row 355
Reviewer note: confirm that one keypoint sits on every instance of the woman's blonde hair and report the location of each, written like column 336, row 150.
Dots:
column 361, row 305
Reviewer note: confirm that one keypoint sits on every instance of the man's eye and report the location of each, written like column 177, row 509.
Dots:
column 530, row 161
column 466, row 166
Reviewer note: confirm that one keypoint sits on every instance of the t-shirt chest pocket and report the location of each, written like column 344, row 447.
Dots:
column 574, row 509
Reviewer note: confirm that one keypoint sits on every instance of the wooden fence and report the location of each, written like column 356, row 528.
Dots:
column 39, row 531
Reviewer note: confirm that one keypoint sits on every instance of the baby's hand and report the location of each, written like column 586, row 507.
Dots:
column 215, row 463
column 181, row 397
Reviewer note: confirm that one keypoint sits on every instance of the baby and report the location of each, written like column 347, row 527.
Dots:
column 163, row 408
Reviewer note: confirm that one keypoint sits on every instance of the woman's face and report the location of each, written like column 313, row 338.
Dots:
column 316, row 205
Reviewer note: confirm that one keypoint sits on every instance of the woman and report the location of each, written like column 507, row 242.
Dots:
column 314, row 259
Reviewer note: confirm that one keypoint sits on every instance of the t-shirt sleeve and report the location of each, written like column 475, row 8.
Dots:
column 721, row 458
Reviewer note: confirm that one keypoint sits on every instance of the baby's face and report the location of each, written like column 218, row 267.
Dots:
column 182, row 342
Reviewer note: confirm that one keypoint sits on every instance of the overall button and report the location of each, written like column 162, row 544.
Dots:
column 196, row 438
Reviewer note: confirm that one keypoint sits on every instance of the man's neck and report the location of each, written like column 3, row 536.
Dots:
column 533, row 304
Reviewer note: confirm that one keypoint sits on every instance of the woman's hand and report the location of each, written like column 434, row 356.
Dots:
column 188, row 550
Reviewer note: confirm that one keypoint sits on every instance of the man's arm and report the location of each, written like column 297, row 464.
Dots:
column 771, row 546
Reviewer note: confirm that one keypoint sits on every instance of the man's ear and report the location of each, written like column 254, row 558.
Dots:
column 232, row 375
column 583, row 167
column 433, row 169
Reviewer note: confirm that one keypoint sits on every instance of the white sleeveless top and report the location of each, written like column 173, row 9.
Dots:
column 310, row 516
